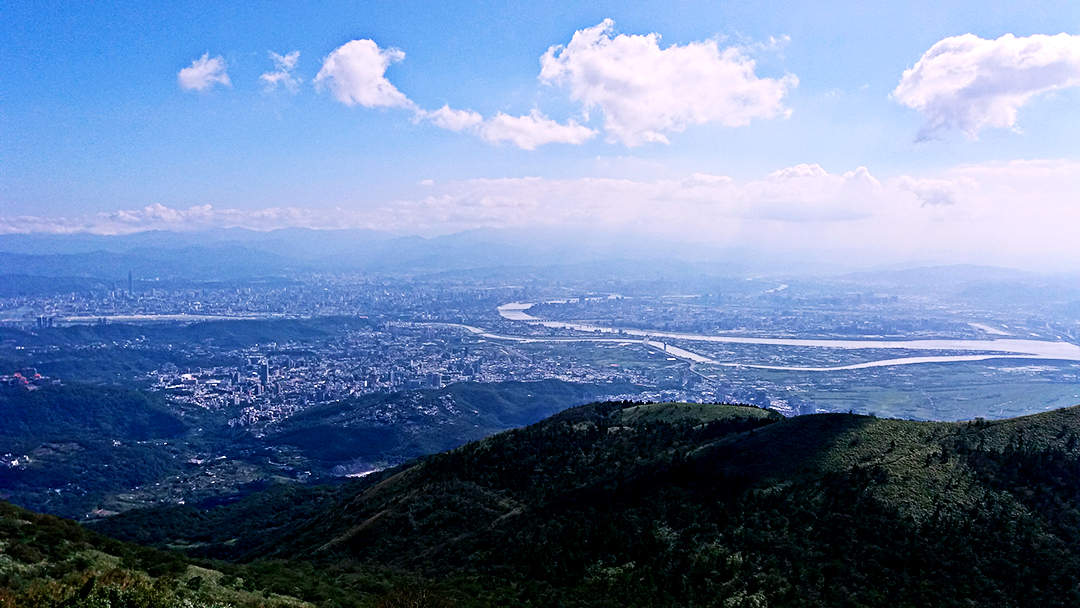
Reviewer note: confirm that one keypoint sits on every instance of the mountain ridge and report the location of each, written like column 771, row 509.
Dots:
column 702, row 505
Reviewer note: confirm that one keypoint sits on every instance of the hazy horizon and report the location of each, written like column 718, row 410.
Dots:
column 899, row 134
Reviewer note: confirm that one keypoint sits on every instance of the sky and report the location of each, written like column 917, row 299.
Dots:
column 943, row 132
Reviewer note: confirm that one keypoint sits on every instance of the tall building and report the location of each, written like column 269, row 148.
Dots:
column 264, row 373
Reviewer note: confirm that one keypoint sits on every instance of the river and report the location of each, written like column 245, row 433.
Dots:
column 1008, row 348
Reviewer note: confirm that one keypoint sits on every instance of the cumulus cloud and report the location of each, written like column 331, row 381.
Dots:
column 454, row 120
column 283, row 73
column 810, row 193
column 526, row 132
column 204, row 73
column 969, row 84
column 355, row 73
column 933, row 192
column 535, row 129
column 645, row 92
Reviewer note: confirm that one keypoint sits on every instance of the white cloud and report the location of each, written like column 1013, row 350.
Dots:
column 535, row 129
column 645, row 92
column 453, row 120
column 969, row 84
column 199, row 217
column 204, row 73
column 355, row 73
column 809, row 193
column 283, row 74
column 526, row 132
column 700, row 202
column 1019, row 213
column 933, row 192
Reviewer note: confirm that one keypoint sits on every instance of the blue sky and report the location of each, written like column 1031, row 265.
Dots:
column 744, row 122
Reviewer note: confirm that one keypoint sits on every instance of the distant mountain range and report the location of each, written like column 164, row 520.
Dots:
column 235, row 253
column 251, row 253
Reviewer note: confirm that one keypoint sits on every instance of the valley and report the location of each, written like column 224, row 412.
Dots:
column 366, row 439
column 356, row 374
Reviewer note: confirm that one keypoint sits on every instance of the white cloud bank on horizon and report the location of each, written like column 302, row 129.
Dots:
column 204, row 73
column 969, row 84
column 1019, row 213
column 645, row 92
column 283, row 74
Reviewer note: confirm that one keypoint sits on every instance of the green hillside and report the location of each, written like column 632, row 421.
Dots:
column 623, row 504
column 48, row 562
column 74, row 443
column 681, row 412
column 77, row 411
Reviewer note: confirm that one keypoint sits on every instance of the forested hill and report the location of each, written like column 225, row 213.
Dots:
column 84, row 411
column 73, row 443
column 691, row 505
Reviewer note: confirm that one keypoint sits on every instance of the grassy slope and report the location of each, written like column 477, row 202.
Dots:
column 48, row 561
column 918, row 457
